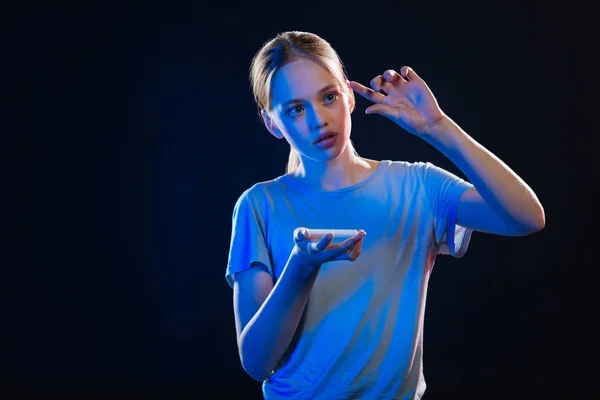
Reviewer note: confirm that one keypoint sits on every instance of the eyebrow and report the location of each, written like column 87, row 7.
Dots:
column 326, row 88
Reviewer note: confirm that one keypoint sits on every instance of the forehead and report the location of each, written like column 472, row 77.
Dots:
column 300, row 79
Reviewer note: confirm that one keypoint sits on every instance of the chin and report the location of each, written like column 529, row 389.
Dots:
column 336, row 151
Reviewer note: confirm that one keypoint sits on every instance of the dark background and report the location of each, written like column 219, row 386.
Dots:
column 129, row 132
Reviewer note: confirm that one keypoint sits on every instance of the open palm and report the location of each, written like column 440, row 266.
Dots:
column 407, row 100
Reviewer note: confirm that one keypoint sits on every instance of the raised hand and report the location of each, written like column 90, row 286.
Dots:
column 318, row 252
column 407, row 100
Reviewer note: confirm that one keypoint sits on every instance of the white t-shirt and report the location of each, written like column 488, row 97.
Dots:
column 361, row 332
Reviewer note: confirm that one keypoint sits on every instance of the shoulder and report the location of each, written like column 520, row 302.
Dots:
column 417, row 174
column 420, row 168
column 407, row 169
column 259, row 192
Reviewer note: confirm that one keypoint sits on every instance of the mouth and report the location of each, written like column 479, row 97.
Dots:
column 325, row 136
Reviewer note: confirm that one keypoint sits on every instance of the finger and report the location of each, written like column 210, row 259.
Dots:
column 387, row 87
column 408, row 73
column 393, row 77
column 348, row 243
column 377, row 82
column 342, row 257
column 351, row 255
column 355, row 252
column 367, row 93
column 323, row 243
column 382, row 109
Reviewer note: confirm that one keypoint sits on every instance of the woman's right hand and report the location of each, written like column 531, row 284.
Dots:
column 315, row 252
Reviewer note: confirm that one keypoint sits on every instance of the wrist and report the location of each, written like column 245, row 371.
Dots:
column 299, row 266
column 443, row 132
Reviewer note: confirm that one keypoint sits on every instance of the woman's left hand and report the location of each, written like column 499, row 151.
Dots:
column 406, row 100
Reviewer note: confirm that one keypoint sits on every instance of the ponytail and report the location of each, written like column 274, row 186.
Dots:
column 293, row 161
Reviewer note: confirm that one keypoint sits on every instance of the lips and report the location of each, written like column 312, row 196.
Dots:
column 325, row 136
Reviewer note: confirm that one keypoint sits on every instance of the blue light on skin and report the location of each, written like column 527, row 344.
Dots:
column 307, row 101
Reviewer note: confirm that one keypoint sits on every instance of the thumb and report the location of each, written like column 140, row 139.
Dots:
column 300, row 234
column 381, row 109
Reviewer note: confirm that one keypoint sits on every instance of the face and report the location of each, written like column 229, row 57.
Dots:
column 310, row 110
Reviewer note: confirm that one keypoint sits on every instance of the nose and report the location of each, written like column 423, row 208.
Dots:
column 318, row 118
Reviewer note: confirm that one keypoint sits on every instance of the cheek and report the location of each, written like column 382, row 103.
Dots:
column 288, row 125
column 294, row 130
column 344, row 114
column 295, row 126
column 346, row 105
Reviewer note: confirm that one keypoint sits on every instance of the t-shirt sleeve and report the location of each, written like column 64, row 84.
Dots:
column 248, row 245
column 444, row 190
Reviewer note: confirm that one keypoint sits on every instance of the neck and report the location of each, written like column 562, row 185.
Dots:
column 346, row 170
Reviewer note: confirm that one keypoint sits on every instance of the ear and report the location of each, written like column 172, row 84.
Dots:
column 270, row 124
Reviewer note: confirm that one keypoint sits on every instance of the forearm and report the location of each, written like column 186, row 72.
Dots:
column 502, row 189
column 266, row 337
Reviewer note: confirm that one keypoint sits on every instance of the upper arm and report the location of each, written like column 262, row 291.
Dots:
column 474, row 213
column 250, row 290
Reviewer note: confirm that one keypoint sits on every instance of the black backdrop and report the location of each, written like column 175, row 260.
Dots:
column 130, row 131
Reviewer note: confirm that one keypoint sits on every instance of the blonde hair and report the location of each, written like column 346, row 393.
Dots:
column 283, row 49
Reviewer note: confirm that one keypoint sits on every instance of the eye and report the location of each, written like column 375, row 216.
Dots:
column 331, row 97
column 296, row 110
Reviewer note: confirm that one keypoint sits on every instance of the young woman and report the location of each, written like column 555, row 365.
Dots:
column 321, row 319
